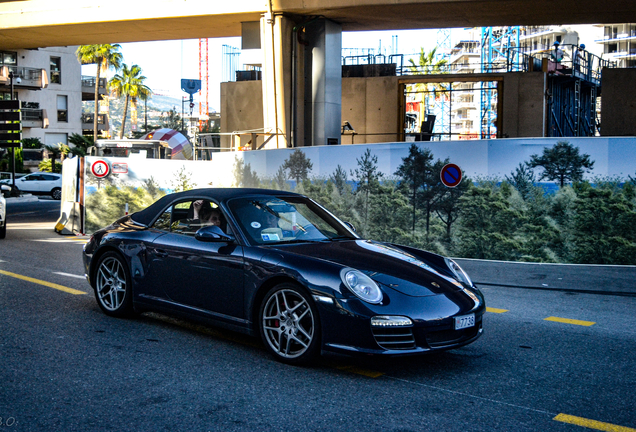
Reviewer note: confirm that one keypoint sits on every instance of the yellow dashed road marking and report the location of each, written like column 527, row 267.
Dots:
column 495, row 310
column 360, row 371
column 592, row 424
column 570, row 321
column 45, row 283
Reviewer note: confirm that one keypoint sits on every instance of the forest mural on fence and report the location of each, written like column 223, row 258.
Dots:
column 511, row 218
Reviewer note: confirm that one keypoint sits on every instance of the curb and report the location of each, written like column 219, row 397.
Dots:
column 24, row 198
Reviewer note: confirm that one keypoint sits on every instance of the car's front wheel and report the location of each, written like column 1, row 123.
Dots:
column 289, row 324
column 113, row 289
column 56, row 193
column 3, row 230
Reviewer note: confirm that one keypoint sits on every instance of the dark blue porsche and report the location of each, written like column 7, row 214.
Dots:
column 277, row 264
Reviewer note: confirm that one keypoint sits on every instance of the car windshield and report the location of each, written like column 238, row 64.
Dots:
column 268, row 220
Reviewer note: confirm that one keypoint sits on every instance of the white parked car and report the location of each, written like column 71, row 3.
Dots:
column 3, row 210
column 40, row 183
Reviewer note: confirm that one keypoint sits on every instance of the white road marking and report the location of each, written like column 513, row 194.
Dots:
column 69, row 275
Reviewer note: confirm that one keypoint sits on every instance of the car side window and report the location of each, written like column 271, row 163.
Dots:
column 163, row 222
column 180, row 218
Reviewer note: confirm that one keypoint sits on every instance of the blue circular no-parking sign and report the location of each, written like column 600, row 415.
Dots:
column 451, row 175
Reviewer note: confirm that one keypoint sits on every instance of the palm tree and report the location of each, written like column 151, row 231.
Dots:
column 428, row 64
column 131, row 85
column 105, row 56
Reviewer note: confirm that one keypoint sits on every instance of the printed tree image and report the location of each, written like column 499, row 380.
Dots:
column 605, row 226
column 367, row 177
column 448, row 208
column 562, row 163
column 339, row 179
column 244, row 176
column 182, row 181
column 522, row 178
column 487, row 226
column 422, row 179
column 298, row 165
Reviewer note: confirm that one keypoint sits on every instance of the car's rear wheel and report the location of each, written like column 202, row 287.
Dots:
column 3, row 230
column 56, row 193
column 289, row 324
column 113, row 289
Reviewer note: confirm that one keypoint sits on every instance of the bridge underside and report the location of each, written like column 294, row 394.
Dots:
column 40, row 23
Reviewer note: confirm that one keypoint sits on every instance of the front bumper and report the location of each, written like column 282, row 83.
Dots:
column 422, row 340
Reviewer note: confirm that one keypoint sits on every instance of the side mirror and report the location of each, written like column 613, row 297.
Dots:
column 213, row 233
column 6, row 190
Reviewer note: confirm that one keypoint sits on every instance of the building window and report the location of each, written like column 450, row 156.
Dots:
column 56, row 70
column 62, row 108
column 8, row 58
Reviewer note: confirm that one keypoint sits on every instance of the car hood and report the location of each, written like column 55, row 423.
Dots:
column 384, row 263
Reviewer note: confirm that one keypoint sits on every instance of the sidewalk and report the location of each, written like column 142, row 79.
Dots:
column 602, row 279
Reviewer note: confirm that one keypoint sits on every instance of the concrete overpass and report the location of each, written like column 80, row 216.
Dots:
column 40, row 23
column 300, row 39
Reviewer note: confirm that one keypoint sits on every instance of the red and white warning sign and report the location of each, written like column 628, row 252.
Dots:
column 100, row 168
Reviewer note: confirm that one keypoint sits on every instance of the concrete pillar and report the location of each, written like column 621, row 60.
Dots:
column 322, row 83
column 302, row 81
column 276, row 43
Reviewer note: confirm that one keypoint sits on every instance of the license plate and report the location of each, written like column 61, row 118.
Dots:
column 464, row 321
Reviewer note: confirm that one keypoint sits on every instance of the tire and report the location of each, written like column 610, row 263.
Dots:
column 289, row 324
column 113, row 288
column 56, row 194
column 3, row 230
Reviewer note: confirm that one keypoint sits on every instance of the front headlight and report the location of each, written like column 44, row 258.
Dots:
column 458, row 272
column 361, row 285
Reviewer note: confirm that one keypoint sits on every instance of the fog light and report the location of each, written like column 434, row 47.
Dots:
column 391, row 321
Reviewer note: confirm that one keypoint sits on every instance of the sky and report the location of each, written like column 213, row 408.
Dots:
column 165, row 63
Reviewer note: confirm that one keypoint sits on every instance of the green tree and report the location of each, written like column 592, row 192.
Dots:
column 367, row 178
column 81, row 144
column 32, row 143
column 562, row 163
column 130, row 84
column 298, row 165
column 105, row 56
column 54, row 150
column 172, row 120
column 427, row 63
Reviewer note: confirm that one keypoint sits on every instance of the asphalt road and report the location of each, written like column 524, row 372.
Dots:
column 65, row 366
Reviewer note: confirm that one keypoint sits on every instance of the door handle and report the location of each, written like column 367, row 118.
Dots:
column 161, row 253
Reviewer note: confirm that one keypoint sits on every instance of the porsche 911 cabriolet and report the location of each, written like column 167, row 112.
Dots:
column 279, row 265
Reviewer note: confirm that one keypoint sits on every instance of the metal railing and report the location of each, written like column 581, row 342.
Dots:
column 89, row 118
column 89, row 81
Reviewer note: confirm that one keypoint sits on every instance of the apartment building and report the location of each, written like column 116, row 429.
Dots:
column 619, row 44
column 47, row 82
column 465, row 96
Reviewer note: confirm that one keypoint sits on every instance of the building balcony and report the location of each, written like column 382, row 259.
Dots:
column 30, row 78
column 102, row 121
column 88, row 87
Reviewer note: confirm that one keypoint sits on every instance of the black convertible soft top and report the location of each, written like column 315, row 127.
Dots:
column 147, row 215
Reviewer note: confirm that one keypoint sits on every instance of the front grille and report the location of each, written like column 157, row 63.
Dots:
column 394, row 338
column 447, row 337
